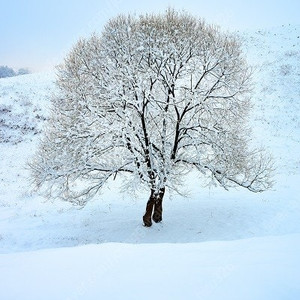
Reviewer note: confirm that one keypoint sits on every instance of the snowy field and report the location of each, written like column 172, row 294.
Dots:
column 258, row 268
column 211, row 245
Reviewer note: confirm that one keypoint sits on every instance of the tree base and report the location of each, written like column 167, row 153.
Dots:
column 147, row 222
column 154, row 203
column 157, row 214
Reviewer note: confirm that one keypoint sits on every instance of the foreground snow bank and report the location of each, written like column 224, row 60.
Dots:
column 257, row 268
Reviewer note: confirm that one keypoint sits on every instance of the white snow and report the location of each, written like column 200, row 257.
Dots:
column 258, row 268
column 212, row 245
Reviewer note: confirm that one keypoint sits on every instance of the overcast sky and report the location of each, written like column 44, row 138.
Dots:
column 38, row 33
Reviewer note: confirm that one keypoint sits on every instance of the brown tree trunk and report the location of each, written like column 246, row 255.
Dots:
column 155, row 201
column 157, row 214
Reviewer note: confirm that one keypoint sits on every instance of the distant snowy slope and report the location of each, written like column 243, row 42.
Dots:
column 275, row 56
column 24, row 102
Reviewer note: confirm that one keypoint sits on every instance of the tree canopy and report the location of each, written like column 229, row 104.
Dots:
column 153, row 97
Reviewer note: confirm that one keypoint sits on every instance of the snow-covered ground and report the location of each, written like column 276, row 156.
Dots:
column 211, row 245
column 258, row 268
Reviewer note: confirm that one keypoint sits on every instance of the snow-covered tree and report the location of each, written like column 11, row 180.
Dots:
column 152, row 97
column 5, row 71
column 23, row 71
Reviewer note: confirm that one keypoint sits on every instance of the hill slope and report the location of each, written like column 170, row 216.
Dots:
column 207, row 214
column 270, row 265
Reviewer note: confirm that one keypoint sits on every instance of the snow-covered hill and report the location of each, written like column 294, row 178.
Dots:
column 24, row 105
column 275, row 57
column 28, row 222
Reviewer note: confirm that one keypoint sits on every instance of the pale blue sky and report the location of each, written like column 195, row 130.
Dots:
column 37, row 34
